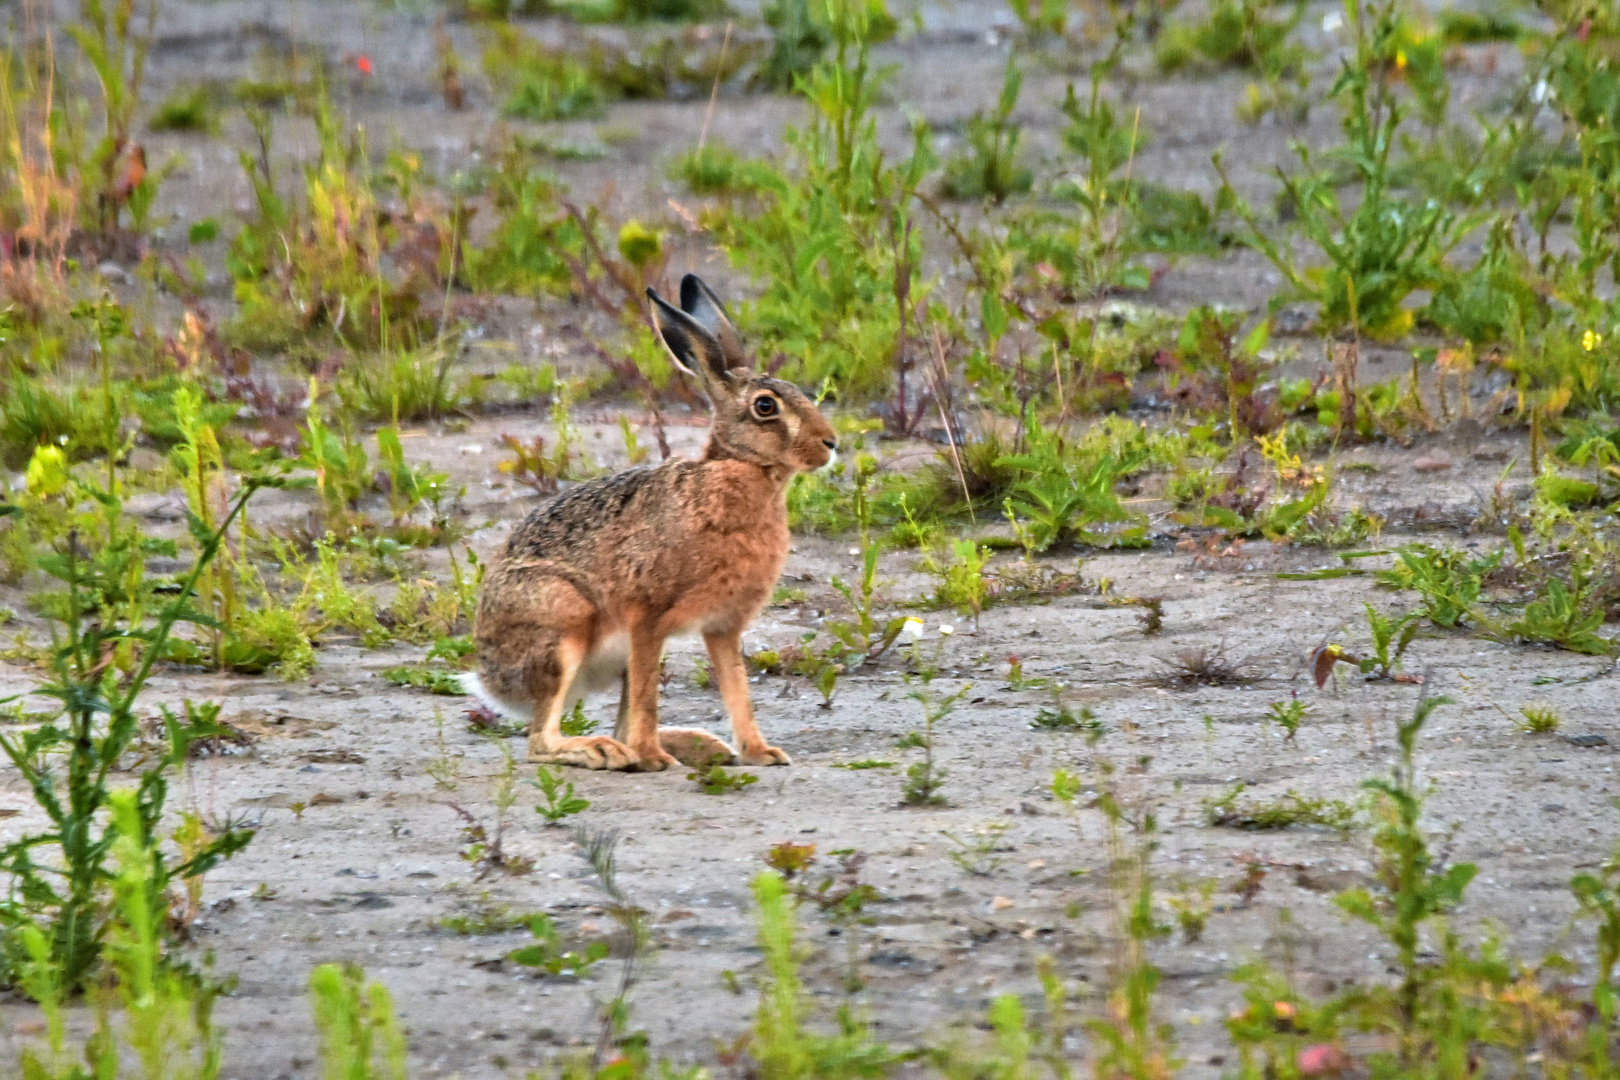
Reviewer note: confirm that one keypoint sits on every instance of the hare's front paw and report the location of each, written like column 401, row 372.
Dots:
column 588, row 751
column 765, row 755
column 653, row 759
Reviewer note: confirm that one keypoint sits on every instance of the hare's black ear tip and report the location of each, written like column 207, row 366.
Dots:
column 652, row 293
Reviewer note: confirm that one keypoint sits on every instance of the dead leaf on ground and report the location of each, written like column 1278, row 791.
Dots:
column 260, row 723
column 333, row 756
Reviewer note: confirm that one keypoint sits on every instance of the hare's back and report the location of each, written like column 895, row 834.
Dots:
column 575, row 524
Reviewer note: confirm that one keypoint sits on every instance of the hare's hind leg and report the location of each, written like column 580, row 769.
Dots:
column 535, row 633
column 547, row 743
column 694, row 746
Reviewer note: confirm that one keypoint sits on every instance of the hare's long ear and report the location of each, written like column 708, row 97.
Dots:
column 694, row 350
column 699, row 301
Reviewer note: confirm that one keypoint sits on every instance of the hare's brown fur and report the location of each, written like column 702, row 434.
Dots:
column 591, row 584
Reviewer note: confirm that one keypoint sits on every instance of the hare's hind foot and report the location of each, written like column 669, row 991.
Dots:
column 586, row 751
column 696, row 747
column 765, row 755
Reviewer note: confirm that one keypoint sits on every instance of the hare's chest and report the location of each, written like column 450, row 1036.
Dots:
column 753, row 562
column 730, row 591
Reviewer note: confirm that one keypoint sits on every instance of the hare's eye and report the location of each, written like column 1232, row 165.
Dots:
column 765, row 407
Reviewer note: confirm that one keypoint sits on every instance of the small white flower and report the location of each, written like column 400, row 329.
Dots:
column 854, row 551
column 946, row 630
column 1332, row 22
column 911, row 632
column 1541, row 92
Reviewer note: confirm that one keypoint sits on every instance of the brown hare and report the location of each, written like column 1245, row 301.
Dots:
column 591, row 584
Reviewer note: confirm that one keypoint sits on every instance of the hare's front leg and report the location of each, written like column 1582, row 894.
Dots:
column 639, row 706
column 689, row 746
column 549, row 688
column 725, row 657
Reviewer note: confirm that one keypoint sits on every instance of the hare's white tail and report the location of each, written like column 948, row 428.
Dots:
column 472, row 684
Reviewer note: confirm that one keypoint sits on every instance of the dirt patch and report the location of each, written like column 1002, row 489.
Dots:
column 359, row 854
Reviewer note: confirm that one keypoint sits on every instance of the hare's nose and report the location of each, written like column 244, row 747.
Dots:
column 831, row 444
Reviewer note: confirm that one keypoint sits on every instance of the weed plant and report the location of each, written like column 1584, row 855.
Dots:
column 434, row 681
column 599, row 847
column 1415, row 889
column 1449, row 581
column 114, row 40
column 1391, row 636
column 560, row 801
column 925, row 779
column 790, row 859
column 1041, row 19
column 188, row 108
column 359, row 1034
column 315, row 265
column 1538, row 720
column 535, row 245
column 547, row 956
column 485, row 846
column 990, row 168
column 963, row 585
column 101, row 657
column 1058, row 717
column 782, row 1048
column 1217, row 372
column 1131, row 1041
column 413, row 384
column 1062, row 491
column 1193, row 910
column 1288, row 715
column 164, row 1015
column 868, row 636
column 799, row 40
column 540, row 83
column 978, row 854
column 1251, row 34
column 831, row 232
column 1388, row 246
column 1290, row 810
column 80, row 420
column 577, row 723
column 1204, row 665
column 715, row 780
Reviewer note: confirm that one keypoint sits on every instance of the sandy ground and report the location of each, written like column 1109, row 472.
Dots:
column 370, row 864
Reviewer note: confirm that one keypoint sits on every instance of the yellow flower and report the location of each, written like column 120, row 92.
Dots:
column 639, row 244
column 47, row 473
column 1590, row 340
column 1400, row 59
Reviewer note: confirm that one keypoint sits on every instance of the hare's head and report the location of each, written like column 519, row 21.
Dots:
column 756, row 418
